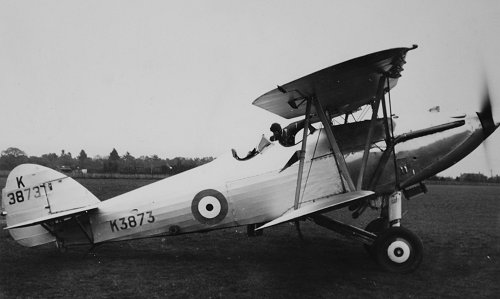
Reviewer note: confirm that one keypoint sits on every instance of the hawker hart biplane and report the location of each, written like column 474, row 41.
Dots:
column 343, row 164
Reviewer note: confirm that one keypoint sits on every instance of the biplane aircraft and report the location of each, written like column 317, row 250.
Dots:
column 342, row 163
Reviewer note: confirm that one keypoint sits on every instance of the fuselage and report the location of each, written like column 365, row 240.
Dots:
column 228, row 192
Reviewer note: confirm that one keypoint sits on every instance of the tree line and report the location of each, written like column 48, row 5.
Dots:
column 128, row 164
column 469, row 178
column 113, row 163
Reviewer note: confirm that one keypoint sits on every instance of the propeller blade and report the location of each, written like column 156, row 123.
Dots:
column 486, row 114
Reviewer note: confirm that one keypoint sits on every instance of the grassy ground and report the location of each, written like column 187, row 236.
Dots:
column 459, row 226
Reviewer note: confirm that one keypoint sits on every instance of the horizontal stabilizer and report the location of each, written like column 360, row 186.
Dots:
column 55, row 216
column 321, row 205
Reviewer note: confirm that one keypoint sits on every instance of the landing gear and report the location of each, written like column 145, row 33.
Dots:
column 394, row 248
column 398, row 250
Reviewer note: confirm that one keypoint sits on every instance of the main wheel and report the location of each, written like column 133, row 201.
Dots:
column 376, row 226
column 398, row 250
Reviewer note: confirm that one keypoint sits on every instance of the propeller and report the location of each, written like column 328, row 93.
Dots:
column 486, row 114
column 486, row 118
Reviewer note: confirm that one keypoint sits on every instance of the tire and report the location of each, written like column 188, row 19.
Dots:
column 376, row 226
column 398, row 250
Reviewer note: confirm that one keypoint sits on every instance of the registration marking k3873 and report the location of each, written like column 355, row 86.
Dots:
column 131, row 221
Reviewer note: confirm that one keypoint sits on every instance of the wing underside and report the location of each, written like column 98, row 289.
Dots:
column 319, row 206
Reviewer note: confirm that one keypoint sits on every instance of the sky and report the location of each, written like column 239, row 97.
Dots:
column 177, row 78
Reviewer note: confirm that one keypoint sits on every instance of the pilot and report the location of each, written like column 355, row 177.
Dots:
column 286, row 136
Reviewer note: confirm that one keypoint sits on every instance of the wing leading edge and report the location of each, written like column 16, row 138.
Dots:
column 319, row 206
column 340, row 88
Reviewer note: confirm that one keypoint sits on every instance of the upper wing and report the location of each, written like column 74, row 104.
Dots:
column 340, row 88
column 319, row 206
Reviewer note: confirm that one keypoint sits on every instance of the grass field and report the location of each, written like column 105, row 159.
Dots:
column 459, row 226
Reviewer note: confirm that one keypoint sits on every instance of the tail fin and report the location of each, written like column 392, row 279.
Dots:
column 35, row 195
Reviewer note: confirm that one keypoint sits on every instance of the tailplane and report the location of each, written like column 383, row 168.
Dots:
column 35, row 197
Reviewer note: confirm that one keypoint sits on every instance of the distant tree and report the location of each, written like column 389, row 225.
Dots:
column 113, row 156
column 96, row 164
column 52, row 157
column 82, row 159
column 113, row 161
column 473, row 177
column 157, row 165
column 494, row 179
column 128, row 164
column 128, row 156
column 11, row 157
column 39, row 161
column 440, row 178
column 13, row 151
column 180, row 164
column 66, row 160
column 142, row 164
column 82, row 156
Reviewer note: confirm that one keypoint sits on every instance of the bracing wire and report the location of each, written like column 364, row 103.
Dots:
column 363, row 113
column 310, row 167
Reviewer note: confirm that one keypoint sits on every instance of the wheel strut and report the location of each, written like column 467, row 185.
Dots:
column 345, row 229
column 394, row 207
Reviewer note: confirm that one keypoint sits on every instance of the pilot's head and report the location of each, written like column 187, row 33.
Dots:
column 276, row 129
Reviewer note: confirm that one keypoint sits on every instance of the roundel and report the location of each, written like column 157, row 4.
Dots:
column 209, row 206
